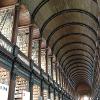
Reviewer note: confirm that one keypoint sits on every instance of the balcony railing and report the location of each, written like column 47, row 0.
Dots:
column 23, row 58
column 6, row 44
column 9, row 47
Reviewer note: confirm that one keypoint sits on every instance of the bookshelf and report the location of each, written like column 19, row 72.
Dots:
column 36, row 91
column 4, row 76
column 21, row 86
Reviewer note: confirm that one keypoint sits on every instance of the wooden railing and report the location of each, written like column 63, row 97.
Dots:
column 6, row 44
column 23, row 58
column 9, row 47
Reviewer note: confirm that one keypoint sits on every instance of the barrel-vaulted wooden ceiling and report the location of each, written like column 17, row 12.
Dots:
column 70, row 29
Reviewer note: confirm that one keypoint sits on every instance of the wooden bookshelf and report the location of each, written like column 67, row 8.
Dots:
column 4, row 76
column 21, row 85
column 36, row 91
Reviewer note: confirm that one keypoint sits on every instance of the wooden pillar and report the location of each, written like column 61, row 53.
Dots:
column 39, row 53
column 66, row 86
column 54, row 94
column 62, row 97
column 62, row 80
column 13, row 76
column 59, row 96
column 56, row 72
column 65, row 83
column 56, row 75
column 31, row 87
column 49, row 92
column 46, row 57
column 52, row 67
column 41, row 93
column 59, row 77
column 15, row 23
column 30, row 41
column 12, row 86
column 39, row 64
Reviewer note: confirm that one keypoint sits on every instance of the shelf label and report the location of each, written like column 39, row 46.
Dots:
column 26, row 95
column 4, row 91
